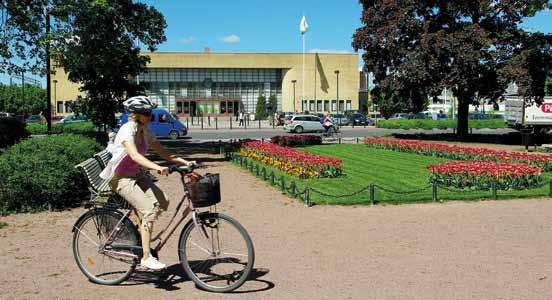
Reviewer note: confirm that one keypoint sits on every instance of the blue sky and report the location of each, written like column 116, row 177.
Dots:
column 270, row 26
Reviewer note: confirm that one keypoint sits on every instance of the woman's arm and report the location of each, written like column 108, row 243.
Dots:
column 167, row 155
column 140, row 159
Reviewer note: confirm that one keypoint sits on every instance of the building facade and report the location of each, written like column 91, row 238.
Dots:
column 225, row 83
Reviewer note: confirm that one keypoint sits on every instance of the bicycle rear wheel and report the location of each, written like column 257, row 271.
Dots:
column 218, row 255
column 103, row 263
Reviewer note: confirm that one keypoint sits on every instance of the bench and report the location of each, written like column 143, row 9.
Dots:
column 103, row 157
column 98, row 187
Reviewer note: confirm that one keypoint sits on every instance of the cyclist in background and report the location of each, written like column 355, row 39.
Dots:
column 126, row 178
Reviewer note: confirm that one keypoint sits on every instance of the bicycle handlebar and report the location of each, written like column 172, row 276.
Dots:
column 182, row 169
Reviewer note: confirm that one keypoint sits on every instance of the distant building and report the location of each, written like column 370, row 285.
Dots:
column 224, row 83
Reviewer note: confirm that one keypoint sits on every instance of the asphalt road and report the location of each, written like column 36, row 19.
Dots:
column 348, row 132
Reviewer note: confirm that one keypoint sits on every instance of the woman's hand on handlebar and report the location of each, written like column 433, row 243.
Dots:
column 183, row 162
column 163, row 171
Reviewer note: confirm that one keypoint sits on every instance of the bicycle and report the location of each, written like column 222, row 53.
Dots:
column 215, row 251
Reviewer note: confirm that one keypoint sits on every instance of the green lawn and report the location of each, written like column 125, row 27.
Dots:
column 390, row 170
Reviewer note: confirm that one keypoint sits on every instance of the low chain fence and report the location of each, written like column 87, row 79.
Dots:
column 291, row 188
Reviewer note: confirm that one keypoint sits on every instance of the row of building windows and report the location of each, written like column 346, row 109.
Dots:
column 215, row 75
column 324, row 105
column 63, row 107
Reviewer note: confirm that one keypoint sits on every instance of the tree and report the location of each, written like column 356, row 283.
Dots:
column 260, row 111
column 96, row 42
column 273, row 103
column 474, row 48
column 27, row 101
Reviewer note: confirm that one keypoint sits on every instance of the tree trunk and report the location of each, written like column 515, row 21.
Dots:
column 463, row 110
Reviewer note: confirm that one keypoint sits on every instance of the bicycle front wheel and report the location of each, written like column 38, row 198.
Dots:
column 218, row 254
column 104, row 242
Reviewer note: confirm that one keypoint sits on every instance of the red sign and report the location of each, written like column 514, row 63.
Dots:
column 546, row 107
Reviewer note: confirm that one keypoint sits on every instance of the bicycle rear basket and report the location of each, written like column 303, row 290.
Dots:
column 206, row 191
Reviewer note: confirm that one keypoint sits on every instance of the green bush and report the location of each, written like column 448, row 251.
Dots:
column 85, row 128
column 438, row 124
column 11, row 131
column 40, row 171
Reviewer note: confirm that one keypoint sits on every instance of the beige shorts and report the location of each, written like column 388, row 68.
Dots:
column 147, row 198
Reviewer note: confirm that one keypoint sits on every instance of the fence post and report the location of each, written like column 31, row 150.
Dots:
column 434, row 191
column 493, row 187
column 257, row 170
column 209, row 120
column 357, row 139
column 307, row 197
column 262, row 139
column 550, row 189
column 230, row 122
column 187, row 123
column 201, row 121
column 216, row 122
column 272, row 177
column 259, row 123
column 340, row 140
column 283, row 183
column 372, row 193
column 292, row 187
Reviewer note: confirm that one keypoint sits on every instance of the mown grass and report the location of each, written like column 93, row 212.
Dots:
column 389, row 170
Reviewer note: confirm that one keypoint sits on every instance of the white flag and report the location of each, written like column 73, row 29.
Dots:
column 303, row 26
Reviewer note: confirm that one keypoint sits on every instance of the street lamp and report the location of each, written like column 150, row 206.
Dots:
column 337, row 92
column 55, row 98
column 294, row 82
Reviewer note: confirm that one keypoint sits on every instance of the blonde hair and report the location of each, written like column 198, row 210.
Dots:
column 133, row 117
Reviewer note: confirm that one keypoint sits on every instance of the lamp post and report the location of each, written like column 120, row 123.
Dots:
column 294, row 82
column 337, row 90
column 55, row 98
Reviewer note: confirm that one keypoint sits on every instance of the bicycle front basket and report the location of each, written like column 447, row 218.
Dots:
column 206, row 191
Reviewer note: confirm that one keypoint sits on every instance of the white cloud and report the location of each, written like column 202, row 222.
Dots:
column 328, row 51
column 230, row 39
column 187, row 40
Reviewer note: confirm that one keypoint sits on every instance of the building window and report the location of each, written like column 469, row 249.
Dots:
column 326, row 105
column 334, row 105
column 304, row 105
column 60, row 107
column 68, row 106
column 318, row 105
column 311, row 106
column 348, row 105
column 341, row 104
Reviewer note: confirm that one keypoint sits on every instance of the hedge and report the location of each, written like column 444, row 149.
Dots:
column 438, row 124
column 12, row 130
column 84, row 128
column 296, row 140
column 39, row 172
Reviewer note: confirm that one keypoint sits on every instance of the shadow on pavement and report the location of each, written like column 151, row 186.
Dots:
column 175, row 274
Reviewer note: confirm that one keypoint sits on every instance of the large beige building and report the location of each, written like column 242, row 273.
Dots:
column 224, row 83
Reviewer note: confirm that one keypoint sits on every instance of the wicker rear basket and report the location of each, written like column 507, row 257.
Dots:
column 205, row 191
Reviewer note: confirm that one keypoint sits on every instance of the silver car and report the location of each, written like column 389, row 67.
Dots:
column 303, row 123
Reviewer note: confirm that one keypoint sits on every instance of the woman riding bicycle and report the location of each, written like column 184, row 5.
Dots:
column 327, row 122
column 129, row 181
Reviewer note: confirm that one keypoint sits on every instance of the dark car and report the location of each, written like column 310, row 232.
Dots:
column 357, row 119
column 35, row 119
column 417, row 116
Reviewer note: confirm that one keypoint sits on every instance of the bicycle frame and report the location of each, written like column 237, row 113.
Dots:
column 164, row 235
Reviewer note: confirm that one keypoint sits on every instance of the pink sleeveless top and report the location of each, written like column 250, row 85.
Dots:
column 127, row 166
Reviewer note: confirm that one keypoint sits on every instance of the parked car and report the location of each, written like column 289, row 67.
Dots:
column 56, row 119
column 373, row 118
column 303, row 123
column 340, row 119
column 417, row 116
column 399, row 116
column 357, row 119
column 36, row 119
column 163, row 124
column 73, row 119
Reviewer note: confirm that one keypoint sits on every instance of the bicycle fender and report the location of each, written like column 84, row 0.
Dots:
column 92, row 211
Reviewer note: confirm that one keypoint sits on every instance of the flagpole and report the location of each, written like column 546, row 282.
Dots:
column 303, row 89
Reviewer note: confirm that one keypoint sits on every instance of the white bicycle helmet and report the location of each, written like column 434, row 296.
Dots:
column 139, row 104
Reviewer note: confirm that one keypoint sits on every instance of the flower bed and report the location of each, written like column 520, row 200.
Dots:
column 294, row 162
column 480, row 175
column 543, row 161
column 296, row 140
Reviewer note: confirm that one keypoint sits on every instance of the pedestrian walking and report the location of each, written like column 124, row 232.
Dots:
column 241, row 118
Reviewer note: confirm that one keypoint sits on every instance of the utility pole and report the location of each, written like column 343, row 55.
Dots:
column 48, row 83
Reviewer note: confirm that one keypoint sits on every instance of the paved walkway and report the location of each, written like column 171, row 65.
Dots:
column 455, row 250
